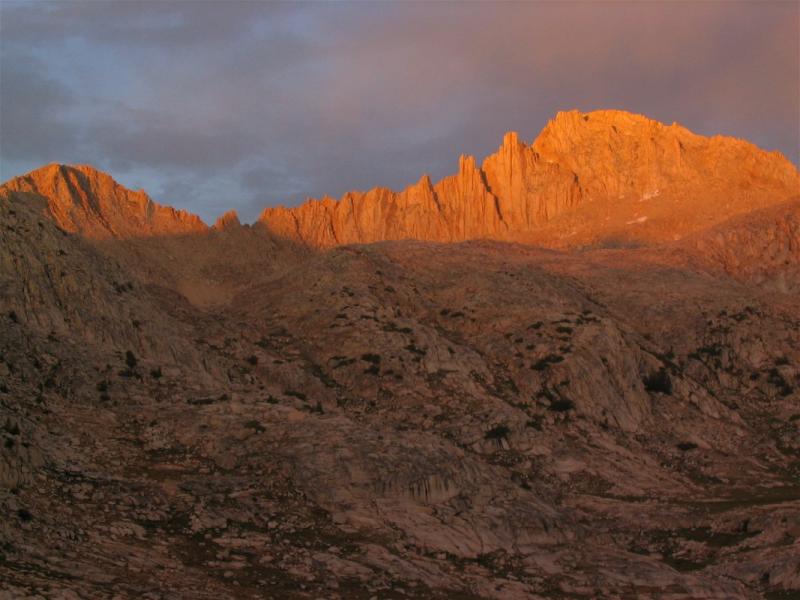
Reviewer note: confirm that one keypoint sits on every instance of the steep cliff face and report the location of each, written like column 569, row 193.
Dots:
column 458, row 207
column 592, row 175
column 228, row 220
column 84, row 200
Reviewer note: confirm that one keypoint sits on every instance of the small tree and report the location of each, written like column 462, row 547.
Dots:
column 658, row 382
column 498, row 433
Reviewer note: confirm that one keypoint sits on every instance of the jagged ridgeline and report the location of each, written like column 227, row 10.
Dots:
column 585, row 178
column 605, row 177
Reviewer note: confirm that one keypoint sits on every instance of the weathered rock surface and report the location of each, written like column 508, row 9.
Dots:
column 586, row 179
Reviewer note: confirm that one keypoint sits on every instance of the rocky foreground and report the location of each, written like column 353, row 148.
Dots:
column 189, row 412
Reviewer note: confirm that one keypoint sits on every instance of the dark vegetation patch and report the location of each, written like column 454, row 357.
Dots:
column 207, row 400
column 315, row 409
column 318, row 372
column 546, row 361
column 535, row 423
column 11, row 428
column 130, row 362
column 561, row 405
column 714, row 350
column 374, row 360
column 497, row 433
column 658, row 382
column 255, row 426
column 416, row 350
column 24, row 515
column 342, row 361
column 776, row 378
column 102, row 387
column 586, row 317
column 391, row 326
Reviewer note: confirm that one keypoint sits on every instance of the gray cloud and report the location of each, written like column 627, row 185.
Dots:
column 213, row 105
column 33, row 107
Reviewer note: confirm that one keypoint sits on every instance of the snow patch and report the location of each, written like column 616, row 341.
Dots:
column 649, row 195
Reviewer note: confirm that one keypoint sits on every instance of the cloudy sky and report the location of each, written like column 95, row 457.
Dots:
column 211, row 105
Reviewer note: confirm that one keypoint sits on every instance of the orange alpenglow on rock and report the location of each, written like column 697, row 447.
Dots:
column 586, row 178
column 83, row 200
column 228, row 220
column 600, row 178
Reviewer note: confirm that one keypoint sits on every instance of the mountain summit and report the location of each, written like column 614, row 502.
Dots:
column 83, row 200
column 586, row 178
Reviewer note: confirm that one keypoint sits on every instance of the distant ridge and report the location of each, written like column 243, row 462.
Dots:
column 83, row 200
column 604, row 177
column 585, row 178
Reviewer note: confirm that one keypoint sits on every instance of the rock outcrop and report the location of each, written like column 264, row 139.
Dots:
column 83, row 200
column 590, row 176
column 228, row 220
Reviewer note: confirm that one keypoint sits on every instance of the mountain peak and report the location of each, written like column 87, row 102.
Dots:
column 228, row 220
column 466, row 163
column 606, row 116
column 82, row 199
column 584, row 178
column 511, row 139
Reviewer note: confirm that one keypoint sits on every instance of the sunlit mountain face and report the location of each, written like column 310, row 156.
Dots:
column 467, row 323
